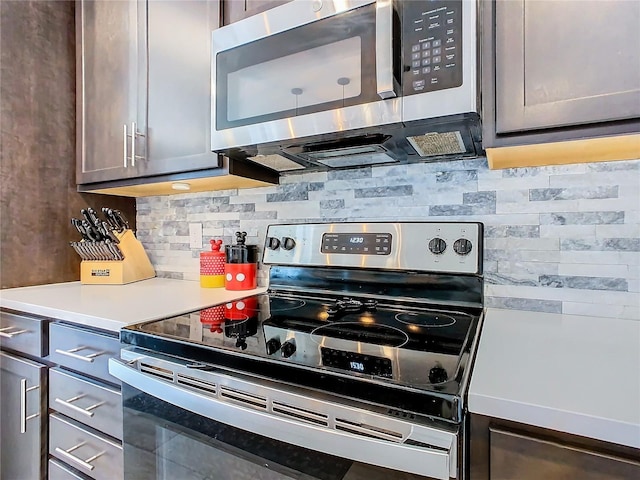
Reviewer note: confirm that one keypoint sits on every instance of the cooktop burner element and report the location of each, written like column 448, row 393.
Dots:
column 343, row 315
column 361, row 332
column 433, row 320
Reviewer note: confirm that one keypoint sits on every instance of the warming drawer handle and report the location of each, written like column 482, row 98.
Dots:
column 85, row 358
column 384, row 49
column 4, row 333
column 85, row 411
column 433, row 463
column 83, row 463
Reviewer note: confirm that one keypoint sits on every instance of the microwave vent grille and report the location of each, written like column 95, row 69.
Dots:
column 276, row 162
column 434, row 143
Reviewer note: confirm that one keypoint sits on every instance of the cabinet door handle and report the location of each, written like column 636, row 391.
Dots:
column 133, row 144
column 124, row 143
column 23, row 404
column 4, row 333
column 84, row 463
column 85, row 358
column 85, row 411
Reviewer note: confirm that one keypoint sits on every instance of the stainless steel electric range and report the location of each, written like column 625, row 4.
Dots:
column 355, row 363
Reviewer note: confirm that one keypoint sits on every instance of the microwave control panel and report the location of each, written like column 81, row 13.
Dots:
column 432, row 45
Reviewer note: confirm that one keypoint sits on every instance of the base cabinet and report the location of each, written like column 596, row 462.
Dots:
column 23, row 415
column 503, row 450
column 85, row 405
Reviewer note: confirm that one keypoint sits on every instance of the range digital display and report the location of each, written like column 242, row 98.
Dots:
column 358, row 243
column 356, row 362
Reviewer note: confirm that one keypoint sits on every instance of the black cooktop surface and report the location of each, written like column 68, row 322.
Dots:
column 398, row 344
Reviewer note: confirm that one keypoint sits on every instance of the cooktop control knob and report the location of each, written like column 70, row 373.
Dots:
column 437, row 246
column 438, row 375
column 288, row 243
column 462, row 246
column 273, row 243
column 273, row 346
column 288, row 348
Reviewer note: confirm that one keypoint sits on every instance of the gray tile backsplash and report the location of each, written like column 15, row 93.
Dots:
column 557, row 239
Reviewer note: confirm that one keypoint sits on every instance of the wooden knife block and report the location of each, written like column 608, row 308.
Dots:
column 135, row 266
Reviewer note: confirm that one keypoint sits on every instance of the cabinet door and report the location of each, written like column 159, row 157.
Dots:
column 23, row 419
column 565, row 63
column 111, row 53
column 519, row 456
column 234, row 10
column 179, row 88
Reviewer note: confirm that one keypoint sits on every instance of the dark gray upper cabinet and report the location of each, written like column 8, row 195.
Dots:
column 144, row 88
column 108, row 67
column 559, row 70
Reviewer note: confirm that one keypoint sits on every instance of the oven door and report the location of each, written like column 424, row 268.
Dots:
column 304, row 68
column 185, row 422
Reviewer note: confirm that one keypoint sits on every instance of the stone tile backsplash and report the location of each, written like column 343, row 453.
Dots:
column 557, row 239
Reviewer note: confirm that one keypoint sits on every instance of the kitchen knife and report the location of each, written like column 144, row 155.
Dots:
column 93, row 217
column 113, row 224
column 90, row 230
column 121, row 218
column 108, row 231
column 115, row 220
column 78, row 226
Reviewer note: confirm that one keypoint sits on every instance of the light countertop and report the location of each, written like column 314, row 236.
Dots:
column 111, row 307
column 570, row 373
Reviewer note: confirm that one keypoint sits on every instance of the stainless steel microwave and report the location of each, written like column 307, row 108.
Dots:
column 320, row 84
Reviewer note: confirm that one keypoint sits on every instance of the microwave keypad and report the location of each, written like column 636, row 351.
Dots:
column 432, row 38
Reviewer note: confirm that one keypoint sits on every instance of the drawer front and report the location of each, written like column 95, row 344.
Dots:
column 60, row 471
column 94, row 455
column 24, row 333
column 83, row 350
column 89, row 402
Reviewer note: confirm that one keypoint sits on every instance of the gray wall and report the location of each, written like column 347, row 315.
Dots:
column 557, row 239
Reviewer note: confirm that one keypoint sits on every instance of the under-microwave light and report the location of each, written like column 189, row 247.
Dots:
column 180, row 186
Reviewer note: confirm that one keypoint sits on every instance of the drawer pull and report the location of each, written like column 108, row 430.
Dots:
column 84, row 463
column 85, row 411
column 23, row 404
column 85, row 358
column 5, row 334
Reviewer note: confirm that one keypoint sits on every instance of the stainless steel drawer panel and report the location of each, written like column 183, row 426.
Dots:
column 24, row 333
column 89, row 452
column 83, row 350
column 89, row 402
column 60, row 471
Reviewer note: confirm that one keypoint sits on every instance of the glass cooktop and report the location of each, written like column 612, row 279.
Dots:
column 400, row 344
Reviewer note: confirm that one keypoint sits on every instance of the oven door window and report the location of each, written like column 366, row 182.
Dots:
column 165, row 442
column 324, row 65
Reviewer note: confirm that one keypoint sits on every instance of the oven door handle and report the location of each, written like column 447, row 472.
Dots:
column 384, row 50
column 417, row 459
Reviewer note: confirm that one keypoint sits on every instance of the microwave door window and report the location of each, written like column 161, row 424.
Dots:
column 321, row 75
column 325, row 65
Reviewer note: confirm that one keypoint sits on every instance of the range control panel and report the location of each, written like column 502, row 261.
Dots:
column 432, row 45
column 443, row 247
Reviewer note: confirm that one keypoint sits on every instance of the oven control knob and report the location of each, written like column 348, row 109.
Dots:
column 462, row 246
column 288, row 243
column 438, row 375
column 273, row 346
column 273, row 243
column 288, row 348
column 437, row 246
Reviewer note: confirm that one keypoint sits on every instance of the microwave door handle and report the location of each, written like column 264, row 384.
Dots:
column 384, row 49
